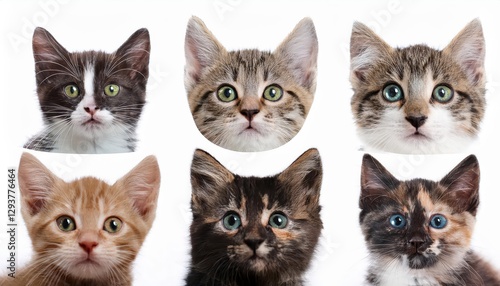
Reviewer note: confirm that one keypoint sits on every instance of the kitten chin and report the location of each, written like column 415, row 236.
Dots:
column 250, row 100
column 84, row 232
column 418, row 232
column 418, row 100
column 91, row 101
column 253, row 231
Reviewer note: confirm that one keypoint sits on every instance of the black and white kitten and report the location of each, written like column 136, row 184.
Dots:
column 91, row 101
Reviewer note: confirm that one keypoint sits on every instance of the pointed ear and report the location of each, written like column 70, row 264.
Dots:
column 47, row 52
column 202, row 50
column 142, row 185
column 35, row 183
column 208, row 179
column 376, row 181
column 299, row 51
column 366, row 49
column 135, row 51
column 462, row 185
column 468, row 49
column 304, row 177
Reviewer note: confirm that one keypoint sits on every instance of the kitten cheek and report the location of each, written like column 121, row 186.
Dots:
column 283, row 234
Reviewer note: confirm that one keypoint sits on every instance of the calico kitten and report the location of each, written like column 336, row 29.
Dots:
column 250, row 100
column 253, row 231
column 418, row 232
column 85, row 232
column 91, row 101
column 418, row 99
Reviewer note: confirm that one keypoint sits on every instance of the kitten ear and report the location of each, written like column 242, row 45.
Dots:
column 202, row 50
column 46, row 51
column 304, row 176
column 35, row 183
column 366, row 49
column 300, row 53
column 142, row 185
column 376, row 181
column 208, row 178
column 468, row 49
column 135, row 51
column 462, row 185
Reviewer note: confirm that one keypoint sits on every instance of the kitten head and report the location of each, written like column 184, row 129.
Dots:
column 87, row 229
column 92, row 94
column 417, row 99
column 255, row 227
column 419, row 224
column 250, row 100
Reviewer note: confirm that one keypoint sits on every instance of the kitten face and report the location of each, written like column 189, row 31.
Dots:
column 92, row 97
column 420, row 227
column 254, row 229
column 87, row 230
column 417, row 99
column 250, row 100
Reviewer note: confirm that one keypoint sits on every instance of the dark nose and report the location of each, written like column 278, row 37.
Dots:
column 416, row 121
column 418, row 244
column 254, row 243
column 249, row 113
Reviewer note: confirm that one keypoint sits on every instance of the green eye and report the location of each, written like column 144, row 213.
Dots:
column 231, row 221
column 227, row 93
column 112, row 224
column 442, row 93
column 392, row 93
column 71, row 91
column 278, row 220
column 273, row 92
column 66, row 223
column 111, row 89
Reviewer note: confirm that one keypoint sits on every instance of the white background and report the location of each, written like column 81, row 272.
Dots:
column 167, row 130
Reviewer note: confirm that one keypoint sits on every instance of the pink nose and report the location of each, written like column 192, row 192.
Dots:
column 91, row 109
column 88, row 246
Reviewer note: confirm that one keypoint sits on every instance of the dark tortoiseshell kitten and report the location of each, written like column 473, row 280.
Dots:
column 253, row 231
column 418, row 232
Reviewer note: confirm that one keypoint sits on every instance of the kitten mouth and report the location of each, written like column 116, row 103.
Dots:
column 92, row 121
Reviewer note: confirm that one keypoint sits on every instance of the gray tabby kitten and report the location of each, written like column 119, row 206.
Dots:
column 418, row 99
column 250, row 100
column 91, row 101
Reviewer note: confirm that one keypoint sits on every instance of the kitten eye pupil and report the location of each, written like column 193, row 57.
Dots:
column 273, row 93
column 398, row 221
column 231, row 221
column 442, row 93
column 226, row 93
column 392, row 93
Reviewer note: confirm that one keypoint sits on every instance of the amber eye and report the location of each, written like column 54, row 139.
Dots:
column 226, row 93
column 66, row 223
column 111, row 89
column 71, row 91
column 112, row 225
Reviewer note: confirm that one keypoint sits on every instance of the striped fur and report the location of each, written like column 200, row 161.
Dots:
column 447, row 127
column 60, row 257
column 417, row 253
column 292, row 66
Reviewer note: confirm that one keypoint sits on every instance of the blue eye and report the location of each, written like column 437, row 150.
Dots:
column 438, row 221
column 398, row 221
column 392, row 93
column 231, row 221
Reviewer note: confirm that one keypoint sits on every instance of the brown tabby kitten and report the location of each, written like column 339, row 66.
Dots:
column 418, row 232
column 250, row 100
column 253, row 231
column 85, row 232
column 418, row 99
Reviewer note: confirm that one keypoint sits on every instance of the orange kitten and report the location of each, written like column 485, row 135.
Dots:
column 85, row 232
